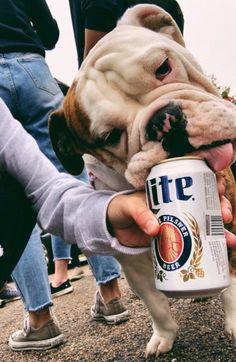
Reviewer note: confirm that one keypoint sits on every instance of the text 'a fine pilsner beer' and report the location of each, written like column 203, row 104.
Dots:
column 189, row 252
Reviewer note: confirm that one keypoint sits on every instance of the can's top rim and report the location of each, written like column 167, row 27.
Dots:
column 180, row 159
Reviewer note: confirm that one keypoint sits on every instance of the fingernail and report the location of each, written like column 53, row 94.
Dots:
column 150, row 225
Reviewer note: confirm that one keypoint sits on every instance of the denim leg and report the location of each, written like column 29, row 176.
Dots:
column 60, row 249
column 31, row 276
column 49, row 97
column 31, row 93
column 45, row 96
column 104, row 268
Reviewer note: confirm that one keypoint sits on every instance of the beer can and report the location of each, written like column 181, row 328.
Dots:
column 189, row 253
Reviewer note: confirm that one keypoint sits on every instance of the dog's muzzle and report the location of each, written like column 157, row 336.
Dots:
column 168, row 126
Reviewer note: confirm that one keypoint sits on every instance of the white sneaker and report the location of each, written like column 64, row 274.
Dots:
column 113, row 312
column 46, row 337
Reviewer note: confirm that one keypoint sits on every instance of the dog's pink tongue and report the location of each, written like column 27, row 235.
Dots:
column 218, row 158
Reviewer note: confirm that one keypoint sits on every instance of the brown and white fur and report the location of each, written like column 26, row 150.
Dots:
column 141, row 97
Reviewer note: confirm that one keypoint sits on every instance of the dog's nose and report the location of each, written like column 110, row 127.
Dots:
column 168, row 126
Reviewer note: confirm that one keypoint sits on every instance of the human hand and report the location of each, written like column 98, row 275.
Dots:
column 131, row 221
column 226, row 210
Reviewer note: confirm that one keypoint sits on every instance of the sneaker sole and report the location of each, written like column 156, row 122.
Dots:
column 113, row 319
column 72, row 279
column 11, row 300
column 36, row 345
column 63, row 292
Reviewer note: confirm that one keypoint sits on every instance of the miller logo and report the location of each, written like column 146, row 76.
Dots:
column 164, row 190
column 173, row 245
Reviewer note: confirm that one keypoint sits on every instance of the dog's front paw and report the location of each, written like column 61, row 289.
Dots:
column 229, row 297
column 230, row 328
column 158, row 344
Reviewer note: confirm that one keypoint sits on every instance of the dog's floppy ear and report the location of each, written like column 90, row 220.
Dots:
column 64, row 144
column 154, row 18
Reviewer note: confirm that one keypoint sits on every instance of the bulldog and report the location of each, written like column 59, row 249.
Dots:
column 139, row 98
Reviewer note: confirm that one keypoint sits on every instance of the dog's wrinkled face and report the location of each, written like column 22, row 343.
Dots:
column 140, row 97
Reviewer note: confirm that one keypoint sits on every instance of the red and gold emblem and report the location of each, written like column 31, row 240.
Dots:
column 170, row 243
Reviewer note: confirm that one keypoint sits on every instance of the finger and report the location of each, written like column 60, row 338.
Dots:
column 230, row 239
column 135, row 239
column 146, row 220
column 220, row 184
column 226, row 210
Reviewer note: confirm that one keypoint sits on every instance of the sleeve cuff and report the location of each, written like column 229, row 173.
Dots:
column 104, row 241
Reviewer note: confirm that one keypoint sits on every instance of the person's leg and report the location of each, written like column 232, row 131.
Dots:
column 30, row 275
column 77, row 272
column 62, row 255
column 17, row 220
column 34, row 94
column 17, row 83
column 106, row 271
column 47, row 97
column 108, row 305
column 60, row 284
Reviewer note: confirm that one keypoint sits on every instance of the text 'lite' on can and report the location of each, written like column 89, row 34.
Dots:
column 189, row 252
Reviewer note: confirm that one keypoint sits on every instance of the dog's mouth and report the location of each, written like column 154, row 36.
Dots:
column 169, row 127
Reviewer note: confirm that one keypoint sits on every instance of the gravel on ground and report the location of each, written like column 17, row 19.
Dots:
column 201, row 337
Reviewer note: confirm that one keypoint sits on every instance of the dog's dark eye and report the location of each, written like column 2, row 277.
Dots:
column 163, row 70
column 113, row 137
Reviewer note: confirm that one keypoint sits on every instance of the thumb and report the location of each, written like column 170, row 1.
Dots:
column 146, row 220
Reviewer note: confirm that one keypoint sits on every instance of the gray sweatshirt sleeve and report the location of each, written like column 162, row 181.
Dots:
column 65, row 206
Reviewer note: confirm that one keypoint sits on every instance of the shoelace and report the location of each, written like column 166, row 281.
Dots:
column 54, row 317
column 26, row 328
column 26, row 324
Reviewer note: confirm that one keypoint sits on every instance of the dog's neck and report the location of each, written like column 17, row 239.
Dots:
column 104, row 177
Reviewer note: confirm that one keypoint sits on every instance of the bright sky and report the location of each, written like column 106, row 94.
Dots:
column 209, row 34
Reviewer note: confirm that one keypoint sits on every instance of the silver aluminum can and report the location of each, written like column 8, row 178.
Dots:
column 190, row 252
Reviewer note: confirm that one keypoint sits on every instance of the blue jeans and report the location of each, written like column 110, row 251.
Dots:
column 31, row 93
column 60, row 249
column 31, row 277
column 104, row 268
